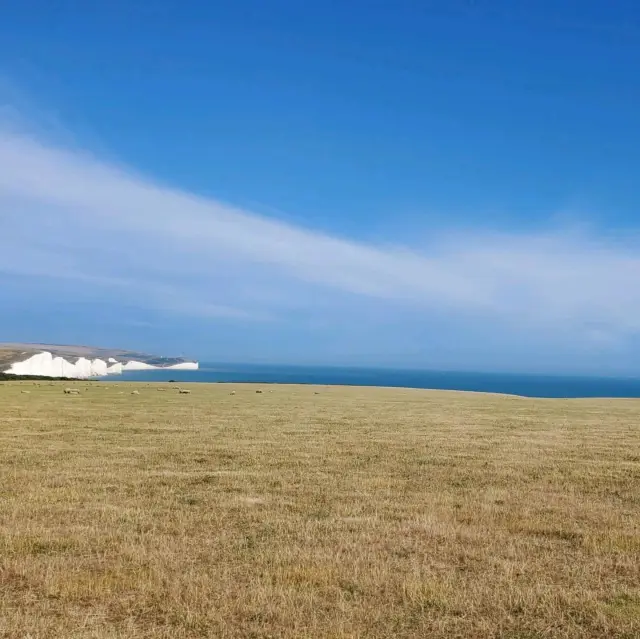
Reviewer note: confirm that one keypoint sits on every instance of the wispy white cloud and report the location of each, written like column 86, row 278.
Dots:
column 66, row 214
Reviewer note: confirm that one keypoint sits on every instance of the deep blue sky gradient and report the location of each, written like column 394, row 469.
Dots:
column 377, row 121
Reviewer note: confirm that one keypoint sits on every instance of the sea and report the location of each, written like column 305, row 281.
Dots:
column 511, row 384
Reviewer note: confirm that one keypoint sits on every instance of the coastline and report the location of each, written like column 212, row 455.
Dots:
column 519, row 385
column 45, row 364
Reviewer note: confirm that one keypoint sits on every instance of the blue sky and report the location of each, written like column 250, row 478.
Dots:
column 433, row 184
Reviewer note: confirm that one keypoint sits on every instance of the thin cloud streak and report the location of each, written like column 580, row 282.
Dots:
column 66, row 214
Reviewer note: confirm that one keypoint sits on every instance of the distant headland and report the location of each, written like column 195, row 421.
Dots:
column 80, row 362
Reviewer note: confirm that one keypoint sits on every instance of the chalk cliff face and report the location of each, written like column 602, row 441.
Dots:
column 47, row 364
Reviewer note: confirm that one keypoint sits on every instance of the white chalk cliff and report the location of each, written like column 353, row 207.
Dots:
column 46, row 365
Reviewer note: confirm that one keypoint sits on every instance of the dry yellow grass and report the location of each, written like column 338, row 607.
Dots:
column 348, row 513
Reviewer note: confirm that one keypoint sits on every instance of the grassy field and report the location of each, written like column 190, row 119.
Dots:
column 316, row 512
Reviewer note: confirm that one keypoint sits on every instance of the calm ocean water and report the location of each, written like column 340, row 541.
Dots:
column 527, row 385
